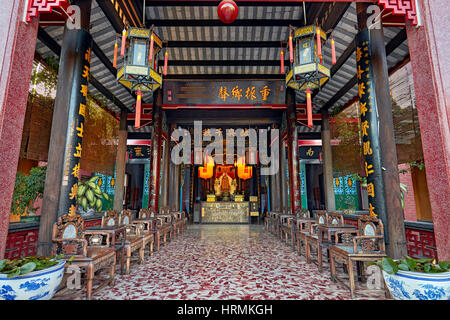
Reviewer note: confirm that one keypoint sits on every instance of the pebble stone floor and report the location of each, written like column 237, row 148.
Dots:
column 226, row 262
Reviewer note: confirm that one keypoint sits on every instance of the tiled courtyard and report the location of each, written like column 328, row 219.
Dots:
column 226, row 262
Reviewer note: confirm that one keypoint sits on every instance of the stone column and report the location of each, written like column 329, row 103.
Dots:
column 275, row 185
column 17, row 45
column 284, row 182
column 429, row 48
column 67, row 127
column 378, row 139
column 121, row 163
column 176, row 187
column 327, row 163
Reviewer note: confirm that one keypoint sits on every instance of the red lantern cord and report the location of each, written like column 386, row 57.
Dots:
column 282, row 61
column 319, row 44
column 333, row 52
column 150, row 55
column 115, row 55
column 166, row 57
column 309, row 108
column 291, row 49
column 124, row 40
column 137, row 119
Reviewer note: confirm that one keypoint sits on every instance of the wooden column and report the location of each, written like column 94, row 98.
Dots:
column 165, row 175
column 121, row 162
column 17, row 46
column 327, row 163
column 155, row 161
column 67, row 127
column 378, row 139
column 284, row 182
column 294, row 174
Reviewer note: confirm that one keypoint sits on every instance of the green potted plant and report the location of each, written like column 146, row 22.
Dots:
column 416, row 279
column 27, row 190
column 31, row 278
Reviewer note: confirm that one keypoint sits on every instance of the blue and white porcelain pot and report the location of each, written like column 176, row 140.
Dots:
column 36, row 285
column 407, row 285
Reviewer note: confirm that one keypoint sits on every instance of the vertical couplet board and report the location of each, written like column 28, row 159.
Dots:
column 369, row 128
column 77, row 112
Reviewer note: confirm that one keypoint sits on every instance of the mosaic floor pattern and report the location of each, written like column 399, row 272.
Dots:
column 225, row 262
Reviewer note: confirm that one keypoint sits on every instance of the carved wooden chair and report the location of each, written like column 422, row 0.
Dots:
column 147, row 218
column 302, row 225
column 164, row 225
column 287, row 221
column 111, row 219
column 312, row 239
column 350, row 247
column 275, row 222
column 136, row 240
column 90, row 252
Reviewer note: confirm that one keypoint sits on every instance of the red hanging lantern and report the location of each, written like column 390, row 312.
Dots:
column 282, row 61
column 333, row 52
column 291, row 50
column 227, row 11
column 137, row 119
column 124, row 41
column 115, row 54
column 319, row 45
column 166, row 57
column 150, row 54
column 309, row 108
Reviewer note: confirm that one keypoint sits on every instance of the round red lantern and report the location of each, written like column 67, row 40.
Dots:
column 227, row 11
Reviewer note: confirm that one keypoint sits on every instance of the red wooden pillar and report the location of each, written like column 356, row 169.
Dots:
column 155, row 162
column 429, row 47
column 292, row 140
column 17, row 45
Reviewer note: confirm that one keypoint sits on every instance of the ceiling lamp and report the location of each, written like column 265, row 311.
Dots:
column 227, row 11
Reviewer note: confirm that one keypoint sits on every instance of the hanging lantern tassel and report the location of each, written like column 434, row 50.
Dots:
column 115, row 55
column 291, row 50
column 333, row 52
column 319, row 45
column 124, row 40
column 137, row 119
column 282, row 62
column 166, row 57
column 309, row 108
column 150, row 55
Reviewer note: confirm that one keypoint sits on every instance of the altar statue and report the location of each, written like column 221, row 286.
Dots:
column 224, row 186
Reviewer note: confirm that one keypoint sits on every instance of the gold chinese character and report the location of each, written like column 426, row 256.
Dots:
column 74, row 191
column 265, row 93
column 371, row 190
column 367, row 150
column 236, row 93
column 76, row 171
column 82, row 110
column 364, row 127
column 223, row 94
column 80, row 130
column 78, row 152
column 87, row 55
column 138, row 151
column 84, row 89
column 369, row 169
column 250, row 93
column 310, row 152
column 361, row 88
column 363, row 108
column 358, row 54
column 360, row 72
column 72, row 210
column 86, row 73
column 371, row 210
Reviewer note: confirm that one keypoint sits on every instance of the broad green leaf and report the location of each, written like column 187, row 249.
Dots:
column 411, row 263
column 14, row 273
column 427, row 267
column 389, row 265
column 444, row 265
column 27, row 268
column 2, row 263
column 403, row 266
column 59, row 257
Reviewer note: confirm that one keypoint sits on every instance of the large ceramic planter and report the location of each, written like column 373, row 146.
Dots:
column 407, row 285
column 36, row 285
